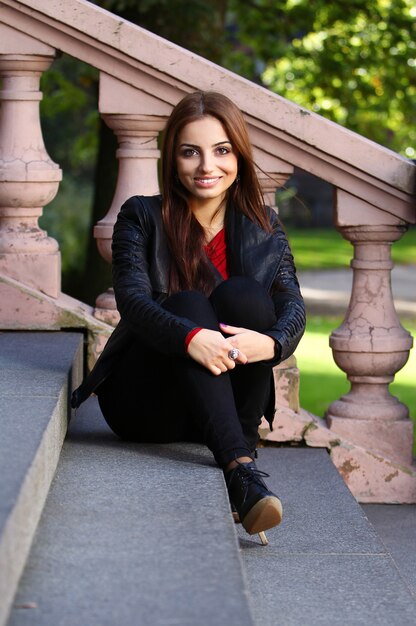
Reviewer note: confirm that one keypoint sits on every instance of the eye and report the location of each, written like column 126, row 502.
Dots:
column 188, row 152
column 222, row 150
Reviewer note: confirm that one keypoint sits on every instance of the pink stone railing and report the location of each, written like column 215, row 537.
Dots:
column 141, row 77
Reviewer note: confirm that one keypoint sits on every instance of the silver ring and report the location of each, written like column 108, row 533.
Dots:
column 233, row 354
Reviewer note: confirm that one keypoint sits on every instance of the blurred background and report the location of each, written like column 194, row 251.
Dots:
column 352, row 62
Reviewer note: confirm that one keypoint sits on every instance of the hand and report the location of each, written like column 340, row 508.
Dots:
column 255, row 346
column 210, row 349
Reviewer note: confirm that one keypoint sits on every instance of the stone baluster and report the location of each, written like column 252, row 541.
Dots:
column 269, row 183
column 28, row 177
column 138, row 156
column 272, row 174
column 371, row 345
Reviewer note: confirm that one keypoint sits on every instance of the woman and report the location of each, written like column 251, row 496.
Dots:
column 209, row 302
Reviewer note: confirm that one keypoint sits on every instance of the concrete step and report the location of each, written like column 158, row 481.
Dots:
column 38, row 371
column 325, row 565
column 133, row 535
column 396, row 527
column 142, row 535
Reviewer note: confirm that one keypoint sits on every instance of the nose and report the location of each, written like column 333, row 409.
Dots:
column 206, row 164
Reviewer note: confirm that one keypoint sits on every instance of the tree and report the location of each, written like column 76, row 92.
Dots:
column 351, row 62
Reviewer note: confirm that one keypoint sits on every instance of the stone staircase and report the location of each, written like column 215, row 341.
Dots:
column 37, row 373
column 142, row 534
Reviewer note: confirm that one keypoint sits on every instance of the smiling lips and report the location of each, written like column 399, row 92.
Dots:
column 206, row 182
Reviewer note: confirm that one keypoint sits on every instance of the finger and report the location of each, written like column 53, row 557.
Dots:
column 242, row 358
column 231, row 330
column 219, row 367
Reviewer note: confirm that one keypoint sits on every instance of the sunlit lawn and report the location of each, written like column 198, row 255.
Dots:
column 320, row 379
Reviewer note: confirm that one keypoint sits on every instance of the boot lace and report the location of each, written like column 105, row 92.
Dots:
column 249, row 476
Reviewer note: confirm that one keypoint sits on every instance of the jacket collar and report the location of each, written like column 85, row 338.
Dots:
column 251, row 251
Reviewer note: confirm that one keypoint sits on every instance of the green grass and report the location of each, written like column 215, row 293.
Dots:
column 321, row 381
column 326, row 249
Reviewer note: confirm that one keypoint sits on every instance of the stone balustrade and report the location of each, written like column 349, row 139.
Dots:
column 28, row 177
column 141, row 78
column 371, row 345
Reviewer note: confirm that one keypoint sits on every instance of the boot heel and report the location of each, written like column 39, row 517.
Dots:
column 262, row 534
column 263, row 538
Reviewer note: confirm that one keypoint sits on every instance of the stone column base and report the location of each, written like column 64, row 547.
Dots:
column 286, row 382
column 40, row 271
column 25, row 308
column 391, row 439
column 371, row 477
column 106, row 308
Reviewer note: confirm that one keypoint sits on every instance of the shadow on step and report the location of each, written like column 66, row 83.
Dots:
column 89, row 426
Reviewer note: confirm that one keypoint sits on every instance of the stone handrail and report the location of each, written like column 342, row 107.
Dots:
column 141, row 77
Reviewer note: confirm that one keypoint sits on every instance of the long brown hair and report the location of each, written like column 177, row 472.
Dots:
column 190, row 268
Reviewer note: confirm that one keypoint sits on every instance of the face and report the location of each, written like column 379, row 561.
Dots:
column 205, row 160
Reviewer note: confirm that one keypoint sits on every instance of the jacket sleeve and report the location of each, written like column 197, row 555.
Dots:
column 132, row 287
column 288, row 302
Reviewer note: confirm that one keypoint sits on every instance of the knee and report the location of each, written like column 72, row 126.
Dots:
column 185, row 300
column 194, row 306
column 242, row 301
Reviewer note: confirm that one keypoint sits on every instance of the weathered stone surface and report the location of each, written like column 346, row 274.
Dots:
column 373, row 478
column 286, row 380
column 370, row 476
column 24, row 308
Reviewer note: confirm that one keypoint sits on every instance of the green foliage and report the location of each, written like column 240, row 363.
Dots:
column 67, row 219
column 70, row 118
column 70, row 115
column 351, row 62
column 321, row 381
column 197, row 25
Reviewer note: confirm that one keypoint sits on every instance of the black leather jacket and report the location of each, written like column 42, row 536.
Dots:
column 140, row 278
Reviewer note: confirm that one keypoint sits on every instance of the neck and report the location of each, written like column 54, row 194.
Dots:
column 210, row 215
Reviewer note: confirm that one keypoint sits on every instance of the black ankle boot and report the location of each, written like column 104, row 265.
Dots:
column 257, row 507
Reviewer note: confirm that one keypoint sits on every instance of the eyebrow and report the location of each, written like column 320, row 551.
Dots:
column 192, row 145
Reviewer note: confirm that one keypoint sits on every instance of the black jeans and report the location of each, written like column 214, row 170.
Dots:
column 153, row 398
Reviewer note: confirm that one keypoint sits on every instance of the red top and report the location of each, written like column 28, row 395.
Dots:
column 216, row 251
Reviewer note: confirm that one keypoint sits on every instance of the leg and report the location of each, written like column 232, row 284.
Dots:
column 210, row 398
column 133, row 405
column 194, row 404
column 243, row 302
column 130, row 409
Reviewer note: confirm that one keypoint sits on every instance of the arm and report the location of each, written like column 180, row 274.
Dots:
column 279, row 342
column 133, row 290
column 289, row 307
